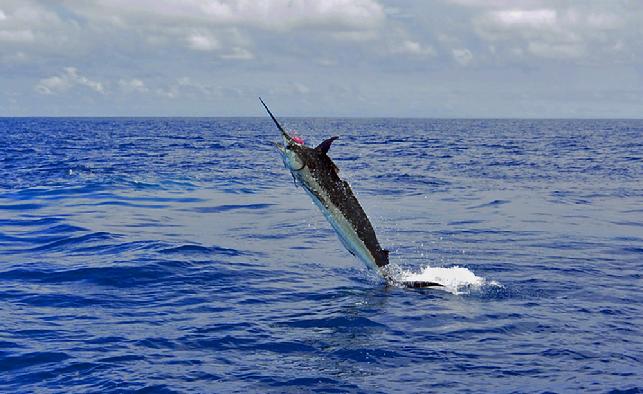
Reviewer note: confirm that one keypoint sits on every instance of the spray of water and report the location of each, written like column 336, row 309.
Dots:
column 455, row 280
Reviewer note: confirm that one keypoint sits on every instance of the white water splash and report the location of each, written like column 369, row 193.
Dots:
column 455, row 280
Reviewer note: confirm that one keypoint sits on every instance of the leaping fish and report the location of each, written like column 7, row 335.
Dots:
column 314, row 170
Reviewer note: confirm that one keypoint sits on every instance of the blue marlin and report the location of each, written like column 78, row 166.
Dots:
column 315, row 172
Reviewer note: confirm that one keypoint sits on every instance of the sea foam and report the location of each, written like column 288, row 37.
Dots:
column 455, row 280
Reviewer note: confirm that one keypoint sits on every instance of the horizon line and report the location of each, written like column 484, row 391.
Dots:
column 311, row 117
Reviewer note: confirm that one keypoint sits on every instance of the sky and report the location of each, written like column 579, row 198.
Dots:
column 355, row 58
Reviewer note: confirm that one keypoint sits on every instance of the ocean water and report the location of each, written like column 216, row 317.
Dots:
column 176, row 255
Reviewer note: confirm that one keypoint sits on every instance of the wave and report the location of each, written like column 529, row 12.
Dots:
column 124, row 276
column 66, row 242
column 31, row 359
column 41, row 221
column 493, row 203
column 20, row 207
column 202, row 249
column 230, row 207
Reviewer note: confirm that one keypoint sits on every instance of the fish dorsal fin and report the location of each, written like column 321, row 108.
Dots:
column 325, row 146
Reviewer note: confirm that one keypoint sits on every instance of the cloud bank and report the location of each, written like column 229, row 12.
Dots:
column 463, row 58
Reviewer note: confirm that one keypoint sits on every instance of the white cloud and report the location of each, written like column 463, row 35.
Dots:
column 16, row 57
column 232, row 50
column 462, row 55
column 531, row 18
column 202, row 42
column 554, row 31
column 238, row 53
column 300, row 88
column 132, row 85
column 27, row 15
column 73, row 76
column 16, row 36
column 604, row 21
column 355, row 35
column 487, row 3
column 53, row 85
column 230, row 28
column 186, row 87
column 67, row 80
column 558, row 50
column 512, row 23
column 266, row 14
column 447, row 39
column 326, row 62
column 170, row 93
column 410, row 47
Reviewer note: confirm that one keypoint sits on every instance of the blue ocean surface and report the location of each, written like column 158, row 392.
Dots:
column 176, row 255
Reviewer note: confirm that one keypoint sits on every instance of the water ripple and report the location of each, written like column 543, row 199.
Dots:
column 175, row 255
